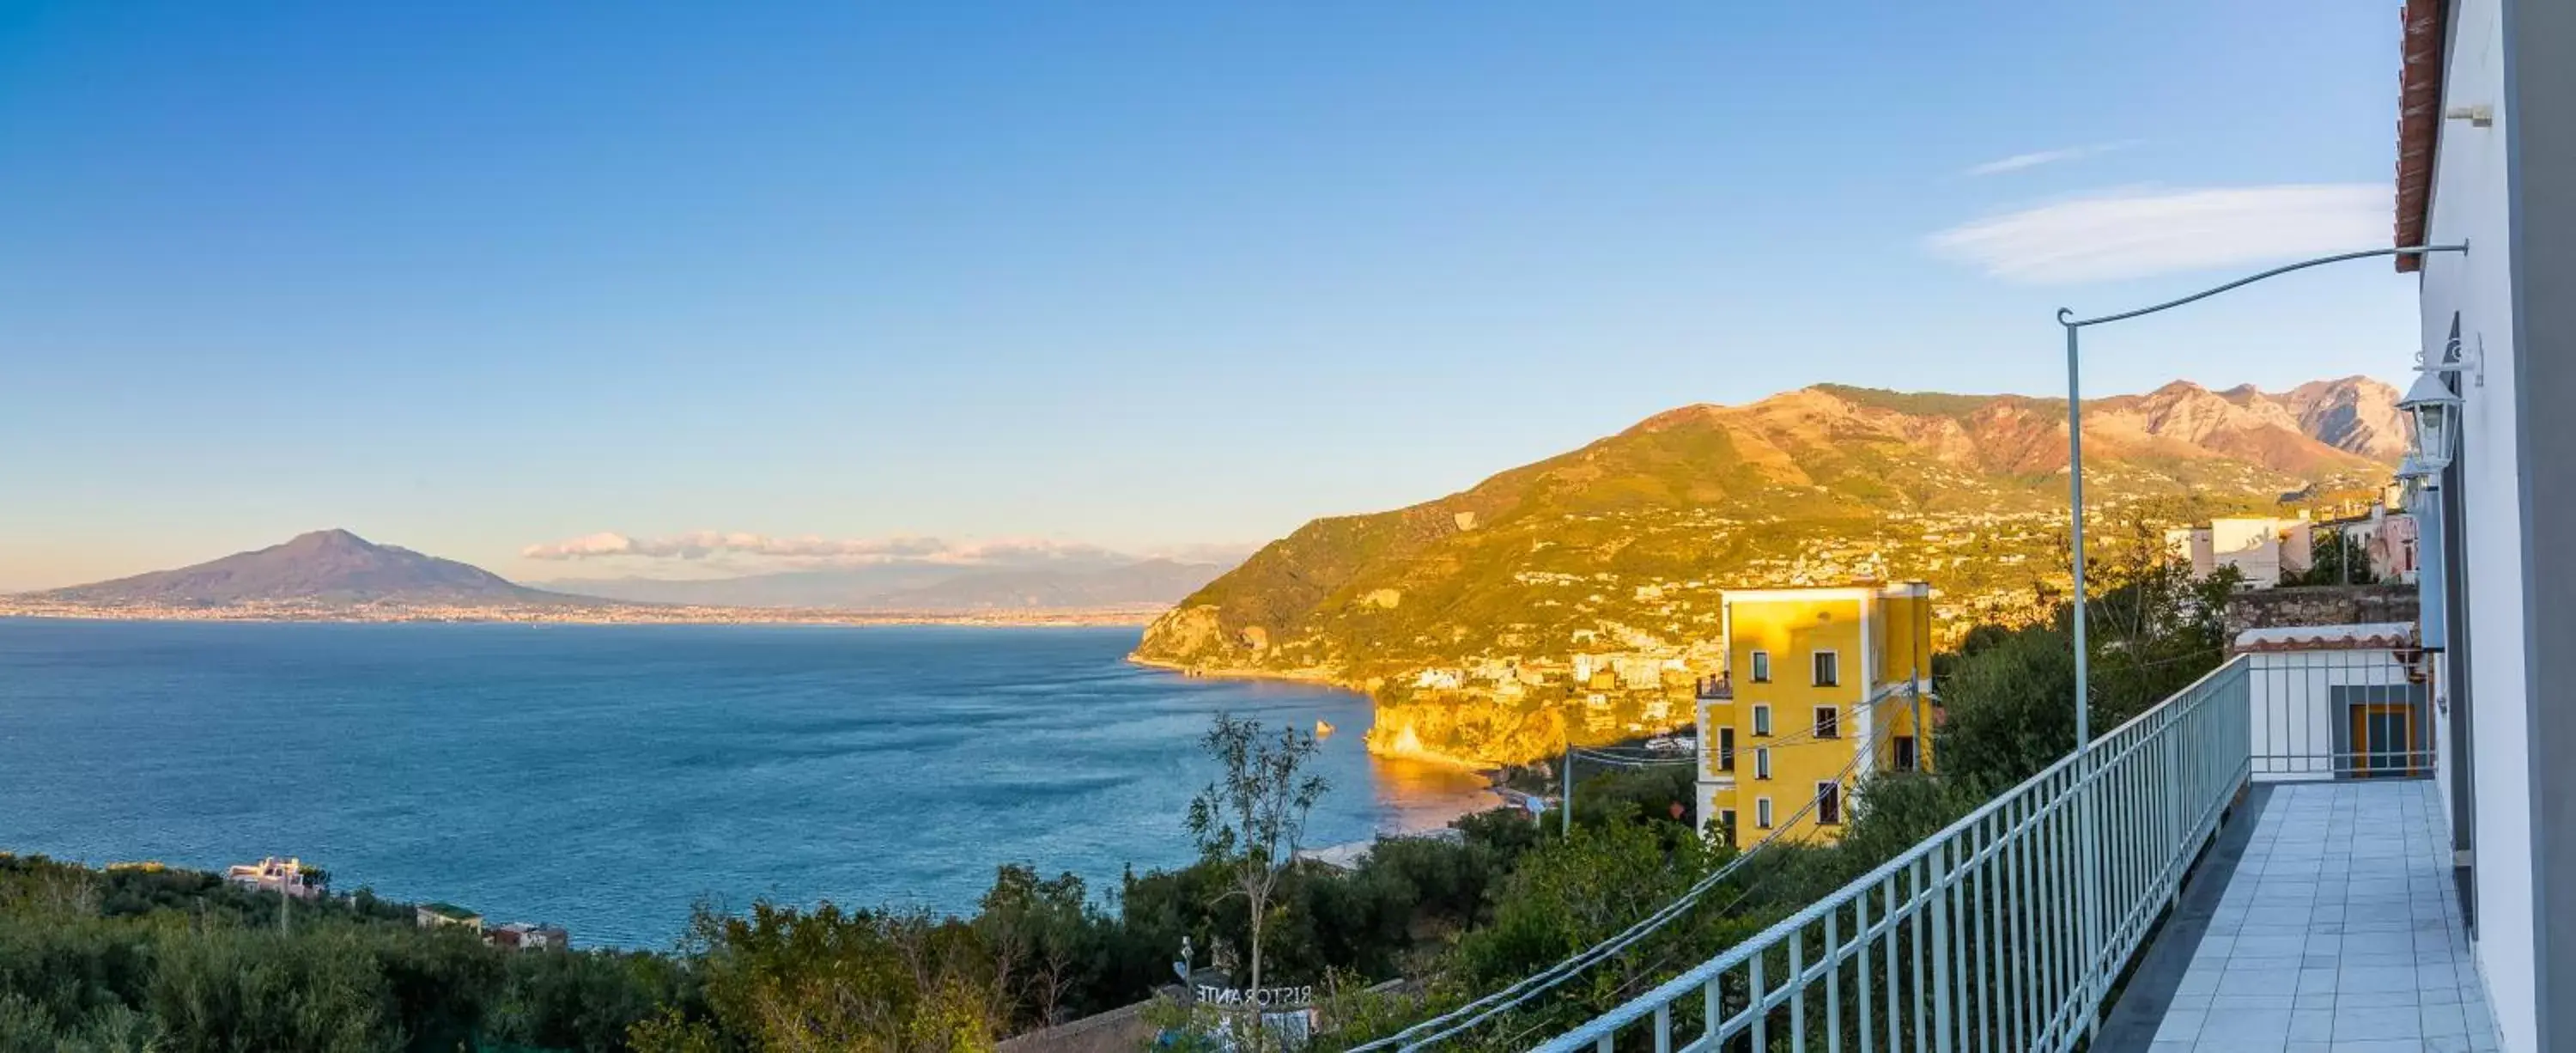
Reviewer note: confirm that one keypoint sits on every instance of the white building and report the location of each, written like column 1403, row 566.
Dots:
column 272, row 874
column 2345, row 701
column 2263, row 549
column 2487, row 158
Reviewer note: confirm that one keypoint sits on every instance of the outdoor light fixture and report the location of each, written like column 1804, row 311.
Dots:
column 2414, row 469
column 2436, row 412
column 2414, row 476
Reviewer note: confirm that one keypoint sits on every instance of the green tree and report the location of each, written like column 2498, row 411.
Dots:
column 785, row 980
column 1037, row 930
column 2335, row 558
column 1253, row 818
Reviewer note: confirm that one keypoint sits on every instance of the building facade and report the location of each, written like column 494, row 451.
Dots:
column 1823, row 688
column 2261, row 548
column 2486, row 159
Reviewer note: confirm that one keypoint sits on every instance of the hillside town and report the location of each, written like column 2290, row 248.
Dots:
column 1624, row 655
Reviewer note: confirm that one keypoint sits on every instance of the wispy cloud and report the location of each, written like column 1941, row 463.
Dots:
column 2036, row 158
column 2135, row 232
column 706, row 544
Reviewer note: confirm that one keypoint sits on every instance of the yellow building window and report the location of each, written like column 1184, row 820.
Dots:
column 1726, row 749
column 1762, row 763
column 1762, row 719
column 1829, row 803
column 1761, row 667
column 1762, row 813
column 1828, row 669
column 1829, row 722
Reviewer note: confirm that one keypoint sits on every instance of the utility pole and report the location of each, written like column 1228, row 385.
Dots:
column 1566, row 821
column 1922, row 735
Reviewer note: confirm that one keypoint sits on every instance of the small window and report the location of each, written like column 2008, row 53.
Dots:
column 1762, row 813
column 1762, row 763
column 1829, row 803
column 1761, row 667
column 1726, row 749
column 1904, row 750
column 1829, row 722
column 1828, row 669
column 1726, row 822
column 1762, row 719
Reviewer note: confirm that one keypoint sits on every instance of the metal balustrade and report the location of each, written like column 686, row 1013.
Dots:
column 2340, row 702
column 2004, row 931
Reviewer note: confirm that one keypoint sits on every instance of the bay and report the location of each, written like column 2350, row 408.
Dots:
column 606, row 778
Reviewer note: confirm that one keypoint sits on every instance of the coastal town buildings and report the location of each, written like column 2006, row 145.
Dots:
column 1823, row 687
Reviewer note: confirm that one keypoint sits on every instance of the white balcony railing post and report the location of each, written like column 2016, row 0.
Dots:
column 2002, row 932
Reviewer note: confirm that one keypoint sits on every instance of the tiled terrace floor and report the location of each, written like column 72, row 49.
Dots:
column 2339, row 933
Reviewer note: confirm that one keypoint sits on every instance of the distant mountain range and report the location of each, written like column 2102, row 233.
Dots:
column 325, row 567
column 1089, row 583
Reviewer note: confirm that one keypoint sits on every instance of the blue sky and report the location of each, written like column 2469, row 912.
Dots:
column 471, row 278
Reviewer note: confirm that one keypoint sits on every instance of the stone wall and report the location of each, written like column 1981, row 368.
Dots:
column 1121, row 1030
column 2320, row 605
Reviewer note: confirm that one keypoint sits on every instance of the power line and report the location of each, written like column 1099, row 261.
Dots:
column 1487, row 1007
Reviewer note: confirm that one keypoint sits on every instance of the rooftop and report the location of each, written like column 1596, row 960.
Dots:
column 2369, row 635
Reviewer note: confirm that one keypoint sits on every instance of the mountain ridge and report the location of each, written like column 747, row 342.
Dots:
column 1619, row 546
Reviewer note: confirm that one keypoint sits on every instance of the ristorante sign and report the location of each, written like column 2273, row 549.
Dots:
column 1211, row 994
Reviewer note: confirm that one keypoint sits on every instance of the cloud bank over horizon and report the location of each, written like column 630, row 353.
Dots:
column 894, row 549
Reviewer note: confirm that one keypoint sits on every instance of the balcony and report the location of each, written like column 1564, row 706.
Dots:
column 2254, row 864
column 1715, row 688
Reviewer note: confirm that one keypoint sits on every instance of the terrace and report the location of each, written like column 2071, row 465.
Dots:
column 2255, row 864
column 2337, row 928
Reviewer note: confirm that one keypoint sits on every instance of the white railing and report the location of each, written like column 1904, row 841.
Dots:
column 2341, row 712
column 2004, row 931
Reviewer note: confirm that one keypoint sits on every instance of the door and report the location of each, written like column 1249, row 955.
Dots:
column 2383, row 740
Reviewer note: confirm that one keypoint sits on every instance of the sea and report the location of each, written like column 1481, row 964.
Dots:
column 608, row 778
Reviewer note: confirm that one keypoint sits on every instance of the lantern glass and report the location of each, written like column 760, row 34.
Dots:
column 2435, row 409
column 2435, row 425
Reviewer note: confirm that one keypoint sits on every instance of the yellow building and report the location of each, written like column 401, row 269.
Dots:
column 1823, row 687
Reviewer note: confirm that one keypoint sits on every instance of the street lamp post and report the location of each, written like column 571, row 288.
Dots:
column 2075, row 438
column 2091, row 880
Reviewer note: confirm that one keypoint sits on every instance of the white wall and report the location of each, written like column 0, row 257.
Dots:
column 2252, row 546
column 2470, row 203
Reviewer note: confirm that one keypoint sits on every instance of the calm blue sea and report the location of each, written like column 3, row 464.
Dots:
column 605, row 777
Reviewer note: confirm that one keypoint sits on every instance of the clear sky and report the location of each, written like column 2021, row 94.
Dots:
column 475, row 277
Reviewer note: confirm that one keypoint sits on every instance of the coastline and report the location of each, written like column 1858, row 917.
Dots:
column 1407, row 748
column 1294, row 676
column 671, row 616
